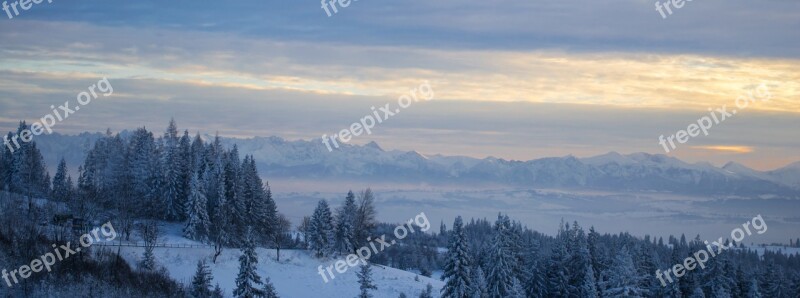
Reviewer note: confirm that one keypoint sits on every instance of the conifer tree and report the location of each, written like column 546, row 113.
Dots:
column 365, row 281
column 345, row 224
column 269, row 289
column 247, row 281
column 321, row 232
column 201, row 282
column 60, row 186
column 622, row 279
column 501, row 276
column 557, row 274
column 457, row 264
column 480, row 287
column 198, row 225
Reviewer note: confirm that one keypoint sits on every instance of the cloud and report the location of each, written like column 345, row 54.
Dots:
column 726, row 148
column 659, row 81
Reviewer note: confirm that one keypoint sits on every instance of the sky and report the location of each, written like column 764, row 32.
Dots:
column 512, row 79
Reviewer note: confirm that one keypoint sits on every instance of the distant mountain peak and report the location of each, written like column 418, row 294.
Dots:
column 374, row 145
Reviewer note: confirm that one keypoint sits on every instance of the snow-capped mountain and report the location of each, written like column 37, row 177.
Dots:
column 310, row 159
column 613, row 171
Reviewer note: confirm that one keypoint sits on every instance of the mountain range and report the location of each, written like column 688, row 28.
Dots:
column 311, row 160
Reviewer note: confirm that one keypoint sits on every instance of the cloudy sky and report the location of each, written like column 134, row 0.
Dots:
column 512, row 79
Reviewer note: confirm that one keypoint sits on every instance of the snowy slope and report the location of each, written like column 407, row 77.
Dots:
column 294, row 276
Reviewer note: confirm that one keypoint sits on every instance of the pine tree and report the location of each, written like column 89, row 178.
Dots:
column 321, row 232
column 365, row 281
column 582, row 277
column 236, row 211
column 516, row 290
column 557, row 273
column 269, row 289
column 456, row 268
column 621, row 279
column 217, row 292
column 535, row 282
column 201, row 282
column 173, row 181
column 345, row 224
column 185, row 172
column 501, row 274
column 247, row 281
column 60, row 186
column 753, row 290
column 480, row 287
column 198, row 155
column 198, row 225
column 145, row 174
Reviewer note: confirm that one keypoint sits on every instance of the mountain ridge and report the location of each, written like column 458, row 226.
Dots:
column 309, row 159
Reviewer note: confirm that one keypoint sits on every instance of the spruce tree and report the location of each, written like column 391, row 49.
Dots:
column 201, row 282
column 269, row 289
column 365, row 281
column 345, row 224
column 457, row 264
column 501, row 273
column 480, row 287
column 557, row 272
column 173, row 182
column 60, row 186
column 247, row 281
column 321, row 232
column 198, row 225
column 622, row 279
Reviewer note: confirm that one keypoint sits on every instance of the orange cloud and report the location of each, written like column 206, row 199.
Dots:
column 728, row 149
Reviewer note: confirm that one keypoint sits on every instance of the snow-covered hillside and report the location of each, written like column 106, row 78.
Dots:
column 296, row 275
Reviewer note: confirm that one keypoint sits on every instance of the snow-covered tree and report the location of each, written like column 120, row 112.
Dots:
column 269, row 289
column 622, row 279
column 320, row 233
column 345, row 224
column 582, row 278
column 173, row 180
column 480, row 287
column 516, row 290
column 247, row 281
column 501, row 273
column 198, row 225
column 557, row 272
column 457, row 265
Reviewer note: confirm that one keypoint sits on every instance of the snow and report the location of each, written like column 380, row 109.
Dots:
column 296, row 275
